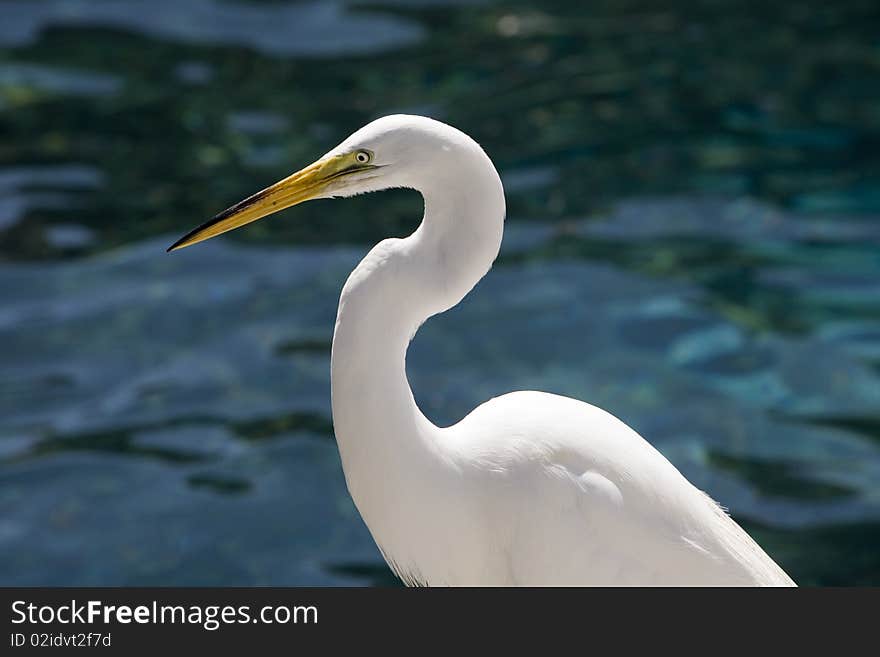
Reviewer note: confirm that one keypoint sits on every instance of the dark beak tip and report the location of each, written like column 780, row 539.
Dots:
column 179, row 244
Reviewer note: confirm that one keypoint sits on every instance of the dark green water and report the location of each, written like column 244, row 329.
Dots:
column 693, row 243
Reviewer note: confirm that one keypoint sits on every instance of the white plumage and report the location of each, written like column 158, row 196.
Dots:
column 530, row 488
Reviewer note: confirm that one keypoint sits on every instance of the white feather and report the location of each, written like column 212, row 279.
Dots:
column 530, row 488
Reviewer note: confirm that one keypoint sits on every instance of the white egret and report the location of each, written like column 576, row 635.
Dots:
column 530, row 488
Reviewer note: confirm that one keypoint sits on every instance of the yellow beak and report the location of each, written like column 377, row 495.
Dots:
column 302, row 186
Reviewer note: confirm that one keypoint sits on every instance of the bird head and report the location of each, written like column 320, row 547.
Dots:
column 394, row 151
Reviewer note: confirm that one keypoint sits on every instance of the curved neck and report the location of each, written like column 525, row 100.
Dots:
column 395, row 288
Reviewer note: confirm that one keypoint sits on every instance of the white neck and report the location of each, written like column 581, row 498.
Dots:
column 384, row 439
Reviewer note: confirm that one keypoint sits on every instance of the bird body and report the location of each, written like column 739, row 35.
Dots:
column 530, row 488
column 538, row 489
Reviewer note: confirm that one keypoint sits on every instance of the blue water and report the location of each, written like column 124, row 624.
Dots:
column 692, row 244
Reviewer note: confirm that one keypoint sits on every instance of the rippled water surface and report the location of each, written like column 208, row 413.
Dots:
column 693, row 243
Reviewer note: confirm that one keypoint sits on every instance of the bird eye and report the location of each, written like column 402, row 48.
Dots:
column 363, row 157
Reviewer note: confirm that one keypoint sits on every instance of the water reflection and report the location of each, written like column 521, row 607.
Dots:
column 212, row 369
column 276, row 28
